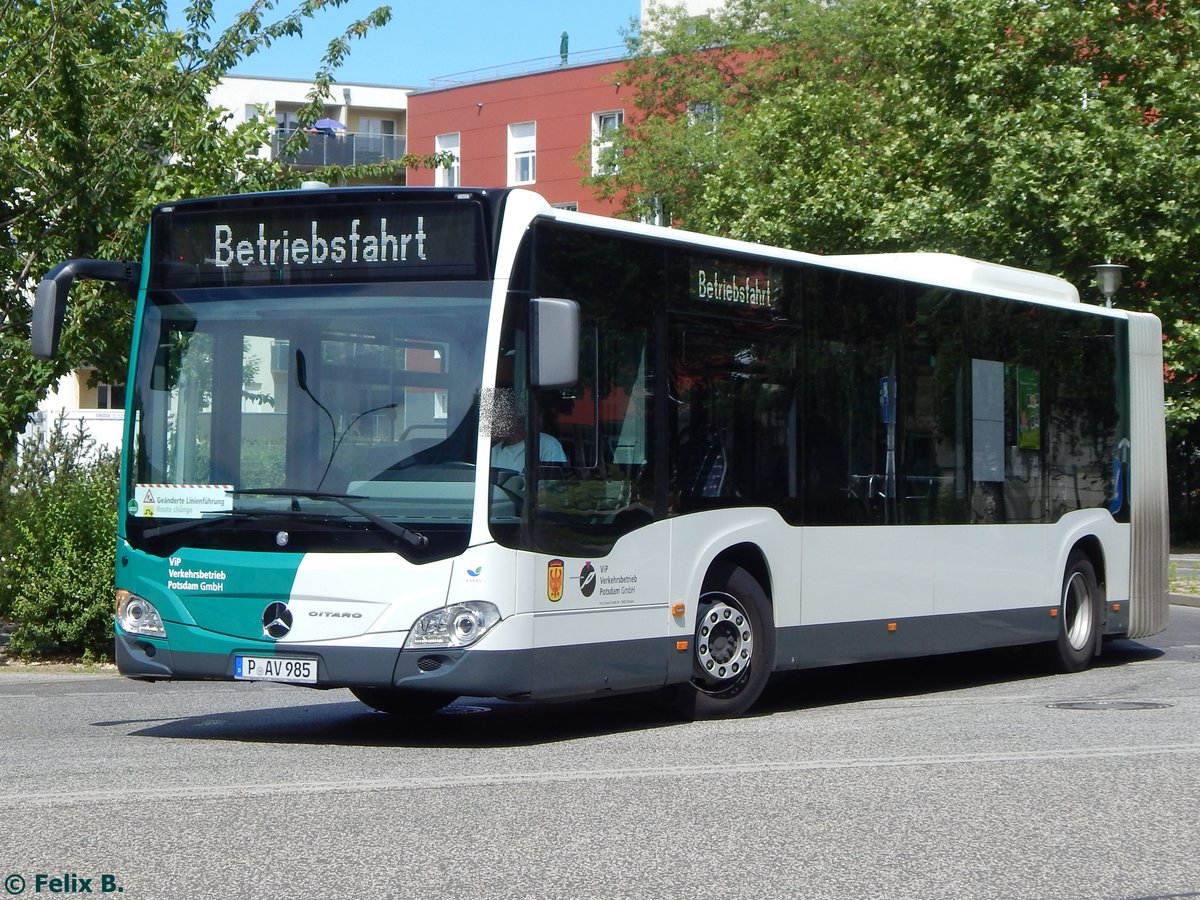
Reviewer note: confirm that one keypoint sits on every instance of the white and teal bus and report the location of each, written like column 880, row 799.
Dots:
column 425, row 444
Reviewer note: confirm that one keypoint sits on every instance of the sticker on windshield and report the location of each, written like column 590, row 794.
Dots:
column 180, row 501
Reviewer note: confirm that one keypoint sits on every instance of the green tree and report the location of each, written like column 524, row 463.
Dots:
column 57, row 531
column 694, row 81
column 1049, row 135
column 105, row 115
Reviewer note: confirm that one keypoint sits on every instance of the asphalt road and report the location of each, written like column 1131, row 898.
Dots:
column 958, row 777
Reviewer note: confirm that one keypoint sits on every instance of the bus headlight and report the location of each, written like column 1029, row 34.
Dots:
column 137, row 615
column 458, row 625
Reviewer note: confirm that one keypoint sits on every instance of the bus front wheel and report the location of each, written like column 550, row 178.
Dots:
column 733, row 648
column 401, row 703
column 1078, row 615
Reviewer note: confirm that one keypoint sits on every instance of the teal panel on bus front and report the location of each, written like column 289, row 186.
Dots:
column 218, row 591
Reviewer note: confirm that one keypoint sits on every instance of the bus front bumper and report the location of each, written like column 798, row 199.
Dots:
column 210, row 656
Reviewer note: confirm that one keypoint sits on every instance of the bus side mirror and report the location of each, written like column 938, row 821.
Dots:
column 49, row 307
column 50, row 302
column 554, row 335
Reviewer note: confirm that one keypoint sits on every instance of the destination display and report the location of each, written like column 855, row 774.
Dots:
column 232, row 245
column 733, row 283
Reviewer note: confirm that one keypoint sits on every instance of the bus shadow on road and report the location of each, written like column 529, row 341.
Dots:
column 469, row 722
column 860, row 682
column 483, row 723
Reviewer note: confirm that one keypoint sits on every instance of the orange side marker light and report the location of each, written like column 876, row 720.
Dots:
column 681, row 645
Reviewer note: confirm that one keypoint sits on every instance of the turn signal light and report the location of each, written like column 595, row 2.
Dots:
column 678, row 609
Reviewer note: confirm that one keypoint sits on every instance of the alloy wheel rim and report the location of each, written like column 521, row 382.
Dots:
column 724, row 640
column 1077, row 612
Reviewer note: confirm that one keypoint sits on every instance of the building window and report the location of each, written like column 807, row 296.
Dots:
column 110, row 396
column 522, row 153
column 604, row 128
column 448, row 176
column 569, row 206
column 286, row 122
column 704, row 115
column 376, row 126
column 98, row 394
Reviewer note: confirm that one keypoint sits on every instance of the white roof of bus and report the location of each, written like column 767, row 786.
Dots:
column 933, row 269
column 962, row 273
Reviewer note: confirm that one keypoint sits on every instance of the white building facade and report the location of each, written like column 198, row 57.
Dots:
column 360, row 124
column 692, row 7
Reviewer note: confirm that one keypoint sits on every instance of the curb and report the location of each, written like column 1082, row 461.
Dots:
column 1184, row 600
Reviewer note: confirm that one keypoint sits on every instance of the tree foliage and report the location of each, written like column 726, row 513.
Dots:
column 1050, row 135
column 57, row 532
column 106, row 114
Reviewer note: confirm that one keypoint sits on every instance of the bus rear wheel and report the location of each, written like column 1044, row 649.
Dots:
column 1078, row 616
column 733, row 648
column 400, row 702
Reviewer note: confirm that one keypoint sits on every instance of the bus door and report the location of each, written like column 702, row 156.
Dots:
column 613, row 597
column 870, row 391
column 582, row 482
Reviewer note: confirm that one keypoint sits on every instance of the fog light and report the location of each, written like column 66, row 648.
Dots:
column 459, row 625
column 137, row 615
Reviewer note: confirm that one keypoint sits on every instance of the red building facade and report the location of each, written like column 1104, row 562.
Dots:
column 534, row 131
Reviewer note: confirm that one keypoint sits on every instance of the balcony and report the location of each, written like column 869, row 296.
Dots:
column 345, row 148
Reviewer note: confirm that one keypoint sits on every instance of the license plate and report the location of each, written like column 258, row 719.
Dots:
column 275, row 668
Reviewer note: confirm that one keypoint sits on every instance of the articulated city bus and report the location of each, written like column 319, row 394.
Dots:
column 425, row 444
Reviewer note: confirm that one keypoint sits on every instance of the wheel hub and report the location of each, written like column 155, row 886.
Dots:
column 724, row 641
column 1077, row 612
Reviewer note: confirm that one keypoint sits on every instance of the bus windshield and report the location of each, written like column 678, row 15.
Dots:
column 308, row 418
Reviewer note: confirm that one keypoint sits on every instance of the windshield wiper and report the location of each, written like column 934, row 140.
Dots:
column 414, row 538
column 192, row 524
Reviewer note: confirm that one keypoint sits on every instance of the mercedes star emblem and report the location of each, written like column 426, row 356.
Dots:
column 277, row 620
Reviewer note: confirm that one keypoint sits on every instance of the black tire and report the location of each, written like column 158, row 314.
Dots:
column 400, row 702
column 1079, row 614
column 733, row 648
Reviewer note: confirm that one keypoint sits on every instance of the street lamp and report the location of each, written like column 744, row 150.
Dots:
column 1108, row 279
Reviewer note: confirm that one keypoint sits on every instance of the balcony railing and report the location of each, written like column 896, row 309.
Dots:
column 345, row 148
column 528, row 67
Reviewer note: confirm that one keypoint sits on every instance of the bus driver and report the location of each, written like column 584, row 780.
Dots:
column 508, row 436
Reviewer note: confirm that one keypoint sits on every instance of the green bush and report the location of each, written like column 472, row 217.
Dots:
column 58, row 513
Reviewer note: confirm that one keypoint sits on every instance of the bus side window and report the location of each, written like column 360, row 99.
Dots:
column 735, row 428
column 603, row 422
column 701, row 464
